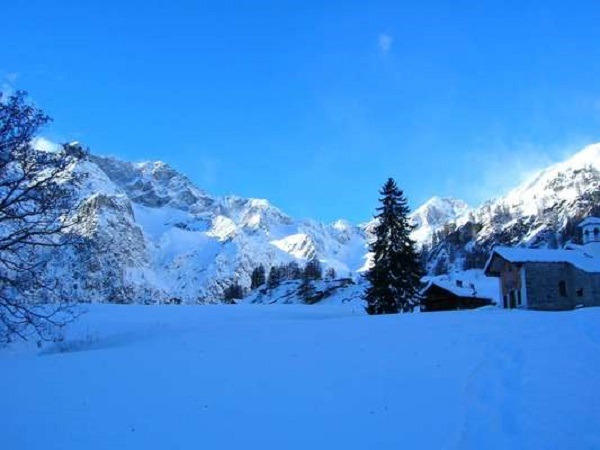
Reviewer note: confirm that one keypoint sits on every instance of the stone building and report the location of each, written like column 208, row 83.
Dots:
column 550, row 279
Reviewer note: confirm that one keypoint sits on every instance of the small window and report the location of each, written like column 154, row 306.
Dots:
column 562, row 288
column 596, row 231
column 580, row 292
column 519, row 298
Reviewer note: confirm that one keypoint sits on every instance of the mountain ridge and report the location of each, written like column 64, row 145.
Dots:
column 157, row 236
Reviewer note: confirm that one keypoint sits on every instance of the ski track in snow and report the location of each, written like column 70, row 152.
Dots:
column 492, row 399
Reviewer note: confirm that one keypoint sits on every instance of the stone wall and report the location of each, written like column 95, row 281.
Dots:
column 543, row 292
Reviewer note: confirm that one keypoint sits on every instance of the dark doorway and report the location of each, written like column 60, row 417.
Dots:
column 513, row 299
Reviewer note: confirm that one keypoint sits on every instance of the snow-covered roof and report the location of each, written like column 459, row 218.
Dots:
column 470, row 283
column 589, row 221
column 447, row 285
column 580, row 259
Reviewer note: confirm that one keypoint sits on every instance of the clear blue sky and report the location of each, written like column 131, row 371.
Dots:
column 313, row 104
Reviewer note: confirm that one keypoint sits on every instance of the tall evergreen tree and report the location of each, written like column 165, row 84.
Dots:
column 313, row 269
column 232, row 293
column 330, row 273
column 258, row 277
column 395, row 276
column 306, row 289
column 275, row 277
column 293, row 271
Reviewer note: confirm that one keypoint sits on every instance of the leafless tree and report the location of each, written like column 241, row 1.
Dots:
column 36, row 217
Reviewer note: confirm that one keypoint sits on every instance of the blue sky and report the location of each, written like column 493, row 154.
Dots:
column 314, row 104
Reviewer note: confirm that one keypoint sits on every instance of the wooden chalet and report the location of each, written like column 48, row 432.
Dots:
column 448, row 295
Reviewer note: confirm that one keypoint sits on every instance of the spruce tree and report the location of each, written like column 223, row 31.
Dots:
column 232, row 293
column 306, row 289
column 275, row 277
column 395, row 275
column 258, row 277
column 293, row 271
column 313, row 269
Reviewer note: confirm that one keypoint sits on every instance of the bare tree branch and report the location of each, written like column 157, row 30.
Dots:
column 37, row 214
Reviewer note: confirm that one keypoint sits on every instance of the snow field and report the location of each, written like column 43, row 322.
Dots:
column 294, row 376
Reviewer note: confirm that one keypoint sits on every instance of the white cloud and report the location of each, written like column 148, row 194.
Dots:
column 385, row 43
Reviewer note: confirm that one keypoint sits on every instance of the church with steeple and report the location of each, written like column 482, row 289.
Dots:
column 548, row 279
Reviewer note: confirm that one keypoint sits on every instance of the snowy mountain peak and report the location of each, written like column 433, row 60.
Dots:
column 341, row 225
column 435, row 213
column 589, row 156
column 562, row 182
column 255, row 214
column 541, row 212
column 44, row 145
column 259, row 203
column 447, row 204
column 156, row 169
column 154, row 184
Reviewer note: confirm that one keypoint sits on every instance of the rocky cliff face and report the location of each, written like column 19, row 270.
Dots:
column 110, row 257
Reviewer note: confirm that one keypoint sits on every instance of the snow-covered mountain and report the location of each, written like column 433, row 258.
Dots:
column 148, row 234
column 435, row 214
column 560, row 185
column 563, row 191
column 541, row 212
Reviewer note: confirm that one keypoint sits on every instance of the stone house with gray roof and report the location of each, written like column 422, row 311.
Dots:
column 547, row 279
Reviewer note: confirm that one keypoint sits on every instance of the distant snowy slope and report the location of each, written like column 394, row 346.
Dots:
column 324, row 292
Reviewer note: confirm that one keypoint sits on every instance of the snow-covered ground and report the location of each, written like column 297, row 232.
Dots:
column 294, row 376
